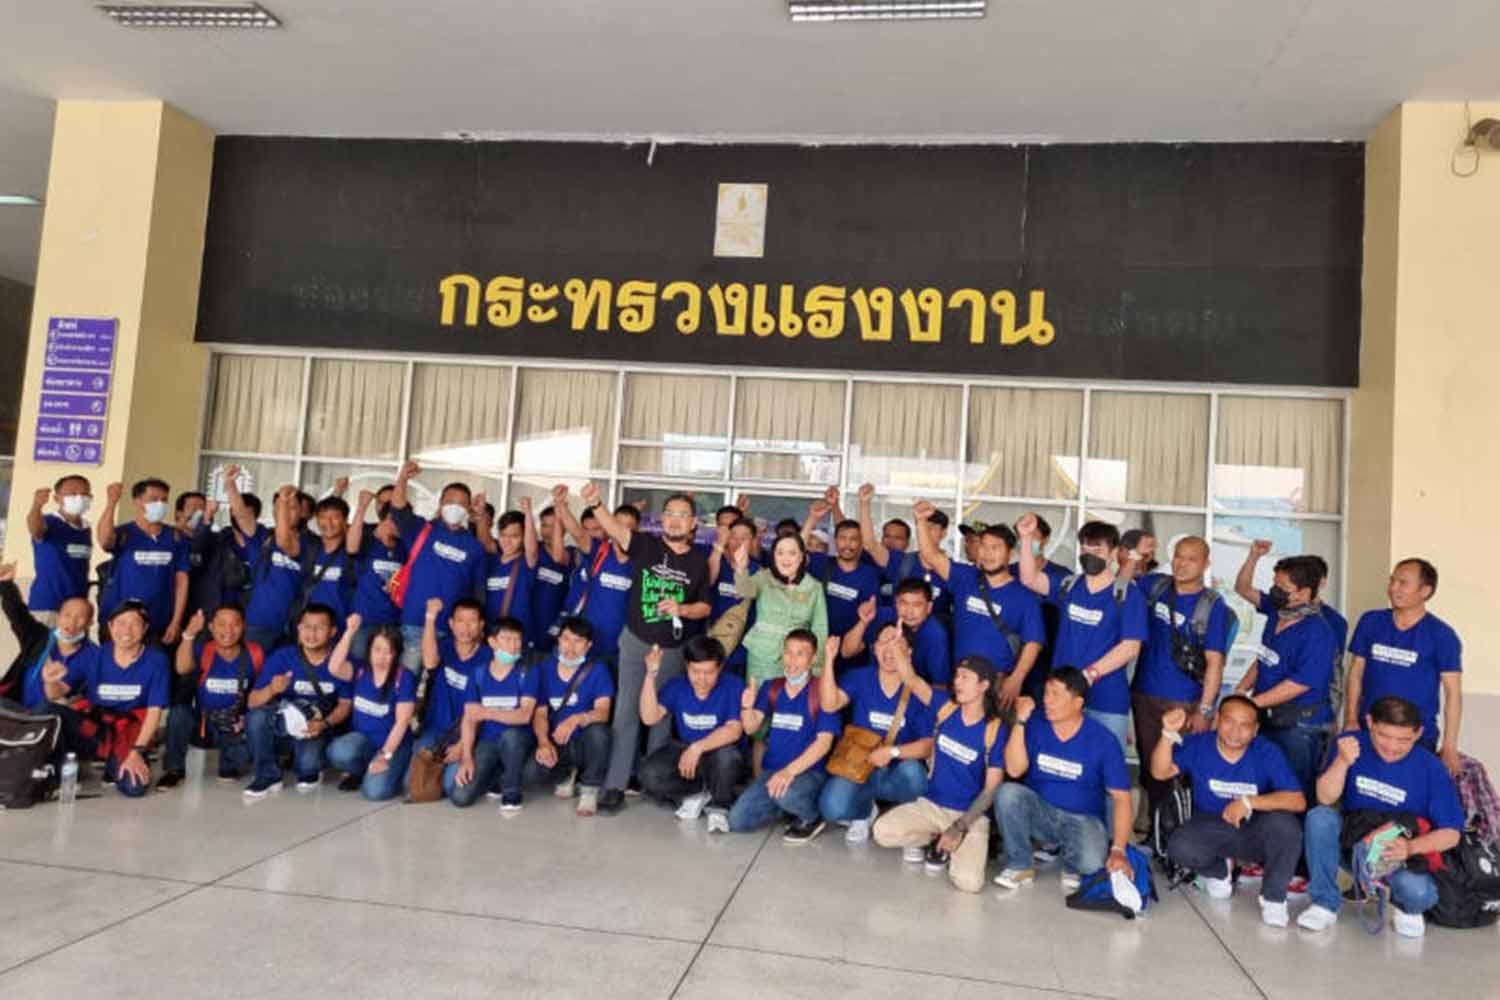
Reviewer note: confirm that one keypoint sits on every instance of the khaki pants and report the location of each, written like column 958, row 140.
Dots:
column 916, row 823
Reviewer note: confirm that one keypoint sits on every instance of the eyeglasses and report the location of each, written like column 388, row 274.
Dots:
column 676, row 513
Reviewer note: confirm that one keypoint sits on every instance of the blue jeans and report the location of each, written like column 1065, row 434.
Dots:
column 1025, row 816
column 234, row 750
column 1412, row 892
column 842, row 801
column 587, row 751
column 1304, row 746
column 352, row 754
column 1118, row 724
column 265, row 746
column 755, row 808
column 504, row 759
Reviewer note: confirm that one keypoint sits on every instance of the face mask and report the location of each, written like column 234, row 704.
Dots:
column 569, row 661
column 75, row 505
column 156, row 512
column 795, row 683
column 1091, row 564
column 454, row 514
column 194, row 519
column 1278, row 598
column 506, row 659
column 68, row 640
column 1036, row 547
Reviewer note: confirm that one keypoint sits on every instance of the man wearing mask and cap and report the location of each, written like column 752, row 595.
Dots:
column 448, row 561
column 61, row 545
column 150, row 558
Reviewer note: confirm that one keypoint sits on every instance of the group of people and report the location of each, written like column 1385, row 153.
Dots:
column 882, row 684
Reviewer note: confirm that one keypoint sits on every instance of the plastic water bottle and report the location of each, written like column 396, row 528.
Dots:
column 68, row 790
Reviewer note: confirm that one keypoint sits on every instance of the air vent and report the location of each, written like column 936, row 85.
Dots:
column 884, row 10
column 190, row 15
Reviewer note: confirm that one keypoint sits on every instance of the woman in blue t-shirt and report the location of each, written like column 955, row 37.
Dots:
column 374, row 754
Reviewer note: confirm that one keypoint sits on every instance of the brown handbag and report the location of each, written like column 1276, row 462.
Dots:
column 850, row 759
column 425, row 777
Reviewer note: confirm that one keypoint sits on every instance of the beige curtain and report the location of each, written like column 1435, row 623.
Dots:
column 565, row 420
column 1280, row 449
column 1015, row 437
column 905, row 434
column 790, row 413
column 1161, row 438
column 460, row 415
column 354, row 408
column 257, row 404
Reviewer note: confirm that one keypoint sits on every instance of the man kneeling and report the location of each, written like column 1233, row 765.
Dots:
column 1245, row 801
column 572, row 719
column 495, row 735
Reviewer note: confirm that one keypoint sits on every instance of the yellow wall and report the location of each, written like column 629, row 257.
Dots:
column 122, row 237
column 1426, row 418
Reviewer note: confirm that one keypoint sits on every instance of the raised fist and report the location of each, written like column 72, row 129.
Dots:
column 410, row 470
column 1260, row 547
column 340, row 486
column 1026, row 527
column 194, row 625
column 866, row 492
column 1025, row 705
column 589, row 494
column 1173, row 720
column 922, row 510
column 866, row 610
column 434, row 607
column 559, row 494
column 114, row 491
column 40, row 497
column 1348, row 749
column 525, row 504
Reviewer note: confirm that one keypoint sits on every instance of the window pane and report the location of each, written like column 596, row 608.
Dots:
column 788, row 414
column 565, row 420
column 699, row 463
column 539, row 488
column 258, row 476
column 1148, row 448
column 822, row 469
column 1167, row 527
column 1062, row 544
column 460, row 415
column 1279, row 454
column 904, row 436
column 675, row 409
column 255, row 404
column 318, row 479
column 354, row 409
column 887, row 508
column 1023, row 442
column 424, row 491
column 651, row 499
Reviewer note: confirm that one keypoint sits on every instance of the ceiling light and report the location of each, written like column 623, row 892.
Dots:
column 190, row 15
column 19, row 199
column 883, row 10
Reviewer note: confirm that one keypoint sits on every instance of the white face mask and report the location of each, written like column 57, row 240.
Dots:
column 454, row 514
column 69, row 640
column 76, row 504
column 569, row 661
column 156, row 512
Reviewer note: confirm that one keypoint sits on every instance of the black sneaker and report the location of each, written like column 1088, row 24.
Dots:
column 803, row 833
column 935, row 860
column 170, row 779
column 261, row 787
column 633, row 787
column 350, row 783
column 611, row 801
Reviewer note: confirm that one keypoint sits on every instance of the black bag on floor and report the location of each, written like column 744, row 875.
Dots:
column 1174, row 809
column 1469, row 885
column 27, row 745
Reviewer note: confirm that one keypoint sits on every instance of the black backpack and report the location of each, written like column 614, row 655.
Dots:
column 28, row 744
column 1469, row 885
column 1174, row 810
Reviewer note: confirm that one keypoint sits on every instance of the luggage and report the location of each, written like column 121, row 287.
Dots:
column 28, row 746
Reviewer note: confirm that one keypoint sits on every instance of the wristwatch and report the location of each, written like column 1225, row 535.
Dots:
column 1206, row 709
column 895, row 751
column 386, row 756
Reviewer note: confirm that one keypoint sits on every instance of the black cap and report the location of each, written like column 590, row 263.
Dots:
column 971, row 528
column 978, row 665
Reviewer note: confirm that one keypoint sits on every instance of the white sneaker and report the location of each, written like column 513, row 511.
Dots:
column 1216, row 888
column 859, row 830
column 1410, row 925
column 493, row 795
column 914, row 855
column 1046, row 854
column 565, row 787
column 1273, row 914
column 718, row 821
column 1122, row 887
column 1014, row 878
column 692, row 806
column 1317, row 918
column 588, row 802
column 1070, row 882
column 307, row 786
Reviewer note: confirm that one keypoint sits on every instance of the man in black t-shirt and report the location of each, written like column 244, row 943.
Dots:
column 669, row 587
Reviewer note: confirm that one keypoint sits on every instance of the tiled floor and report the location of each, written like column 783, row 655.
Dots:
column 195, row 893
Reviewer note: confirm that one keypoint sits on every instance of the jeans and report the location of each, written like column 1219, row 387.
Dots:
column 352, row 754
column 265, row 746
column 266, row 638
column 719, row 771
column 1304, row 746
column 626, row 728
column 755, row 808
column 234, row 749
column 1116, row 723
column 504, row 758
column 587, row 752
column 1025, row 816
column 1272, row 839
column 411, row 646
column 900, row 781
column 1411, row 892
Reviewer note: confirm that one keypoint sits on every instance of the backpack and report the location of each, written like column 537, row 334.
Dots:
column 1468, row 884
column 27, row 745
column 1173, row 810
column 1095, row 892
column 1481, row 804
column 251, row 659
column 773, row 695
column 1121, row 588
column 1203, row 610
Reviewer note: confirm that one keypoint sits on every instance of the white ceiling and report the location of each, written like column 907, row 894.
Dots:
column 1034, row 70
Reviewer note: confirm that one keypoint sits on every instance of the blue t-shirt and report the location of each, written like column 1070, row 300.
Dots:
column 1078, row 774
column 1051, row 615
column 931, row 652
column 548, row 590
column 336, row 575
column 374, row 714
column 605, row 596
column 34, row 692
column 61, row 557
column 1091, row 625
column 794, row 723
column 146, row 570
column 449, row 685
column 146, row 683
column 871, row 708
column 377, row 563
column 1302, row 653
column 288, row 661
column 1417, row 783
column 696, row 717
column 500, row 576
column 220, row 687
column 1261, row 769
column 959, row 761
column 844, row 590
column 974, row 631
column 1156, row 673
column 277, row 583
column 451, row 565
column 1407, row 664
column 724, row 598
column 595, row 685
column 506, row 693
